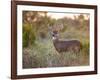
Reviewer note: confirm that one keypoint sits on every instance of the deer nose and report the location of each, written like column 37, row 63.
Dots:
column 53, row 35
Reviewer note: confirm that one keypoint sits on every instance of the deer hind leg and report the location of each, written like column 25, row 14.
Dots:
column 76, row 49
column 70, row 49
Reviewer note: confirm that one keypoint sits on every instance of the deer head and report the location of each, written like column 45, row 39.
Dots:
column 55, row 29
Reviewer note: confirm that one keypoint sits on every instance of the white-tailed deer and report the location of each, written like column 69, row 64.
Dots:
column 61, row 45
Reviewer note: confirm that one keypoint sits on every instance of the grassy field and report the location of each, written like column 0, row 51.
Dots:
column 43, row 54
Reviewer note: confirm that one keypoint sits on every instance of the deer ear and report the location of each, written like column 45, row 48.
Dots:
column 50, row 28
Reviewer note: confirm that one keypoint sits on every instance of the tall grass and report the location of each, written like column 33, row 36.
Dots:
column 44, row 54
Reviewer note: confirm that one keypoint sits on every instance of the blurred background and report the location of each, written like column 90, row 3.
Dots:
column 38, row 48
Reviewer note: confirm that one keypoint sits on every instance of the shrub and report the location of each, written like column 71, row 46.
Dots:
column 25, row 39
column 28, row 35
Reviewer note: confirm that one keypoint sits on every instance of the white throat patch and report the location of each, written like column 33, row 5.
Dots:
column 53, row 38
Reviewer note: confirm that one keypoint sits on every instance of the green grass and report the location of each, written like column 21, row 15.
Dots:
column 43, row 54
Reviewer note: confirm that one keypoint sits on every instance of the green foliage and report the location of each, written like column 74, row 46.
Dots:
column 28, row 35
column 25, row 39
column 86, row 47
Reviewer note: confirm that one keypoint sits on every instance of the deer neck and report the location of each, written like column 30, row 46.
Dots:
column 55, row 39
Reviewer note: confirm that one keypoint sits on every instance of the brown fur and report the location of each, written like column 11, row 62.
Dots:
column 63, row 46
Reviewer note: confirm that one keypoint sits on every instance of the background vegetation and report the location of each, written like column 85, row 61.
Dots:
column 38, row 48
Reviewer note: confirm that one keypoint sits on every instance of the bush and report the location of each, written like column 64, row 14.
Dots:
column 25, row 39
column 28, row 35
